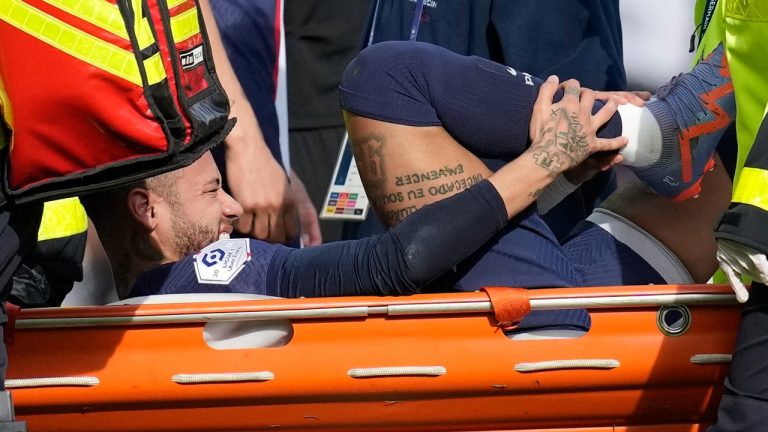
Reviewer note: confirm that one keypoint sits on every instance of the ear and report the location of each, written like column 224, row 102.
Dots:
column 141, row 207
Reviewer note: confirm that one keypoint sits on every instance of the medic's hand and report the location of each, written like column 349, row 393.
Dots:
column 737, row 260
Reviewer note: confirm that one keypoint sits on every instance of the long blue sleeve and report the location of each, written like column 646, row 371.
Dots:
column 401, row 261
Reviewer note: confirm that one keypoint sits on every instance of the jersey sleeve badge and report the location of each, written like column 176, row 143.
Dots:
column 221, row 261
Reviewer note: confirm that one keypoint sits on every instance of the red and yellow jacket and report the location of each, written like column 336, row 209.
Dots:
column 96, row 93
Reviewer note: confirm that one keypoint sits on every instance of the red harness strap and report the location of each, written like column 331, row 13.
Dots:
column 510, row 305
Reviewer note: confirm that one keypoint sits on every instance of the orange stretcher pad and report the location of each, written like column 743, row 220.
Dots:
column 96, row 93
column 654, row 359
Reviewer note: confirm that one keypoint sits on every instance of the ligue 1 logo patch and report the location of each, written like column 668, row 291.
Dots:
column 221, row 261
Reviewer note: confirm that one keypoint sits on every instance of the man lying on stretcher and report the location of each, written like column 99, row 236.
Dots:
column 416, row 127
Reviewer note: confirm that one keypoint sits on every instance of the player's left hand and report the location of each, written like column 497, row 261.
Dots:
column 566, row 130
column 737, row 260
column 636, row 98
column 593, row 165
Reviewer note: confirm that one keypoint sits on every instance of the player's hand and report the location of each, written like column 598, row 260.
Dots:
column 310, row 223
column 260, row 185
column 737, row 260
column 592, row 165
column 636, row 98
column 564, row 133
column 602, row 162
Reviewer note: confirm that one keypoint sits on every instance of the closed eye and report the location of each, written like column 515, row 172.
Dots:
column 212, row 186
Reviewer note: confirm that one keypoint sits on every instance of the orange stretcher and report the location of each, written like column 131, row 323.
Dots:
column 654, row 359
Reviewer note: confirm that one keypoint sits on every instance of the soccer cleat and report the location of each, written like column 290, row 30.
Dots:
column 693, row 112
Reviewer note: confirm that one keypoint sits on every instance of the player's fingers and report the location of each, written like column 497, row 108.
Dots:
column 587, row 101
column 571, row 91
column 605, row 113
column 610, row 144
column 617, row 160
column 546, row 93
column 607, row 162
column 742, row 293
column 636, row 98
column 642, row 96
column 605, row 95
column 542, row 106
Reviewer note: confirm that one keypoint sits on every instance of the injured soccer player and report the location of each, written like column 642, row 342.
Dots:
column 163, row 235
column 168, row 234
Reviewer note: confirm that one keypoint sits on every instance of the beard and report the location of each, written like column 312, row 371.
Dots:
column 190, row 237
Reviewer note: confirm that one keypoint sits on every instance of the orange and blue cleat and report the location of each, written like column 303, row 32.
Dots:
column 693, row 112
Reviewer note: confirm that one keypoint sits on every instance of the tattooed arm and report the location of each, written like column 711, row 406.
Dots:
column 425, row 245
column 407, row 167
column 400, row 261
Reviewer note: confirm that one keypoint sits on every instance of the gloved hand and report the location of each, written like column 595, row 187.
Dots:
column 737, row 260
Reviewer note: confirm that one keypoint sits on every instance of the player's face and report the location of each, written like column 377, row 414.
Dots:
column 204, row 211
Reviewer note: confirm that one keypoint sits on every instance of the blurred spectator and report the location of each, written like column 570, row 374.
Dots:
column 321, row 38
column 251, row 35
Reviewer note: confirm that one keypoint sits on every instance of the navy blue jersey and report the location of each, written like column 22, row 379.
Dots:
column 235, row 265
column 407, row 259
column 400, row 261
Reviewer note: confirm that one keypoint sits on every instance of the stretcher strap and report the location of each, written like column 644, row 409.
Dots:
column 510, row 305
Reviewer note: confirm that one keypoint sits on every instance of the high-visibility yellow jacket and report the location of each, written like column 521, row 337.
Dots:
column 50, row 272
column 742, row 26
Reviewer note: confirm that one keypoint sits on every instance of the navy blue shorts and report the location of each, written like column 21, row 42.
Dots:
column 528, row 255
